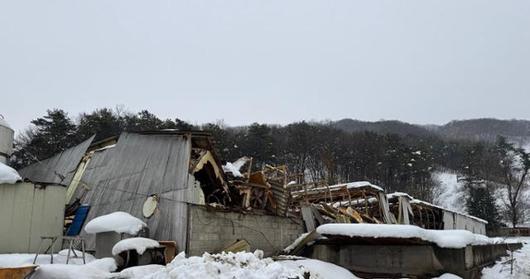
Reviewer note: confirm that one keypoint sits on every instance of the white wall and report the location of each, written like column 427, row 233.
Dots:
column 28, row 212
column 455, row 221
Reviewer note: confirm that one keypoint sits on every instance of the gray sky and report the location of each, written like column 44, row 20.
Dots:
column 273, row 61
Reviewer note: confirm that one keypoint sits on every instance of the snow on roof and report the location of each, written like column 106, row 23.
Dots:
column 442, row 238
column 139, row 244
column 416, row 201
column 8, row 175
column 350, row 185
column 399, row 194
column 120, row 222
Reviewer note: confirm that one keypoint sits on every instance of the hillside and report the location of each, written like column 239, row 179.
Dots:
column 485, row 129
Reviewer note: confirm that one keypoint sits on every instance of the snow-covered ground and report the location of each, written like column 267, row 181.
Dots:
column 210, row 266
column 503, row 268
column 14, row 260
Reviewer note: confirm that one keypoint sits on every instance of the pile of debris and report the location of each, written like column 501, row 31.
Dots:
column 259, row 190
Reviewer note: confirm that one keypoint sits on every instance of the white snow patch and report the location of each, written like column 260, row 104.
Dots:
column 442, row 238
column 448, row 276
column 8, row 175
column 236, row 166
column 139, row 244
column 140, row 271
column 97, row 269
column 120, row 222
column 319, row 269
column 16, row 260
column 452, row 192
column 521, row 264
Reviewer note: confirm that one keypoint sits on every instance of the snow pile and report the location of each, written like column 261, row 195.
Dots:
column 319, row 269
column 521, row 263
column 139, row 244
column 452, row 192
column 8, row 175
column 94, row 270
column 120, row 222
column 140, row 271
column 246, row 266
column 442, row 238
column 448, row 276
column 16, row 260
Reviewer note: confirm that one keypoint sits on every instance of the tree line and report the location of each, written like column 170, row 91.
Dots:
column 317, row 152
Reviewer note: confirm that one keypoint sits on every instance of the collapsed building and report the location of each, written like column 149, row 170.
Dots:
column 174, row 182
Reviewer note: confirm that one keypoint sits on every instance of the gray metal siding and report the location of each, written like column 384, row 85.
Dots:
column 121, row 178
column 27, row 213
column 64, row 163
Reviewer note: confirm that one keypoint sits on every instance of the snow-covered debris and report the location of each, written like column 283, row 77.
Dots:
column 8, row 175
column 120, row 222
column 139, row 244
column 246, row 266
column 295, row 243
column 97, row 269
column 442, row 238
column 235, row 167
column 521, row 263
column 337, row 187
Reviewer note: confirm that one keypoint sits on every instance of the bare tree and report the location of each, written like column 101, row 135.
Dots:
column 515, row 165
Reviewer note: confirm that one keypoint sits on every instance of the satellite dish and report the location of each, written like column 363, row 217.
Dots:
column 150, row 206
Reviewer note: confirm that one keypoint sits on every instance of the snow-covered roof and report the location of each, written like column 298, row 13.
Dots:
column 336, row 187
column 399, row 194
column 120, row 222
column 8, row 175
column 442, row 238
column 416, row 201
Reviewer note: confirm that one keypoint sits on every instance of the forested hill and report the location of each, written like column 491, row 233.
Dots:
column 396, row 155
column 484, row 129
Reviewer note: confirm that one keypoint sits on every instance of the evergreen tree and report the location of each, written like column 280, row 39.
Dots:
column 49, row 135
column 103, row 122
column 480, row 201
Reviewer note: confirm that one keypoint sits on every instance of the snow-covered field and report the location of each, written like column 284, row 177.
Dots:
column 520, row 269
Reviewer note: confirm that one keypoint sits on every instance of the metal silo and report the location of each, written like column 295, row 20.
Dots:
column 6, row 140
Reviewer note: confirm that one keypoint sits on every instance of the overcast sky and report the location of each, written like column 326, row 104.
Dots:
column 267, row 61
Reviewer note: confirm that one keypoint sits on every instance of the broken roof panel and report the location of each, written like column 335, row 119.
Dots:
column 58, row 169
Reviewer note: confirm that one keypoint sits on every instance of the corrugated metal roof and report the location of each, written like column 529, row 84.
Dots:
column 58, row 169
column 121, row 178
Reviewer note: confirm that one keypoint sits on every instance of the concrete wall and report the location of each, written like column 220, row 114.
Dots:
column 211, row 231
column 28, row 212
